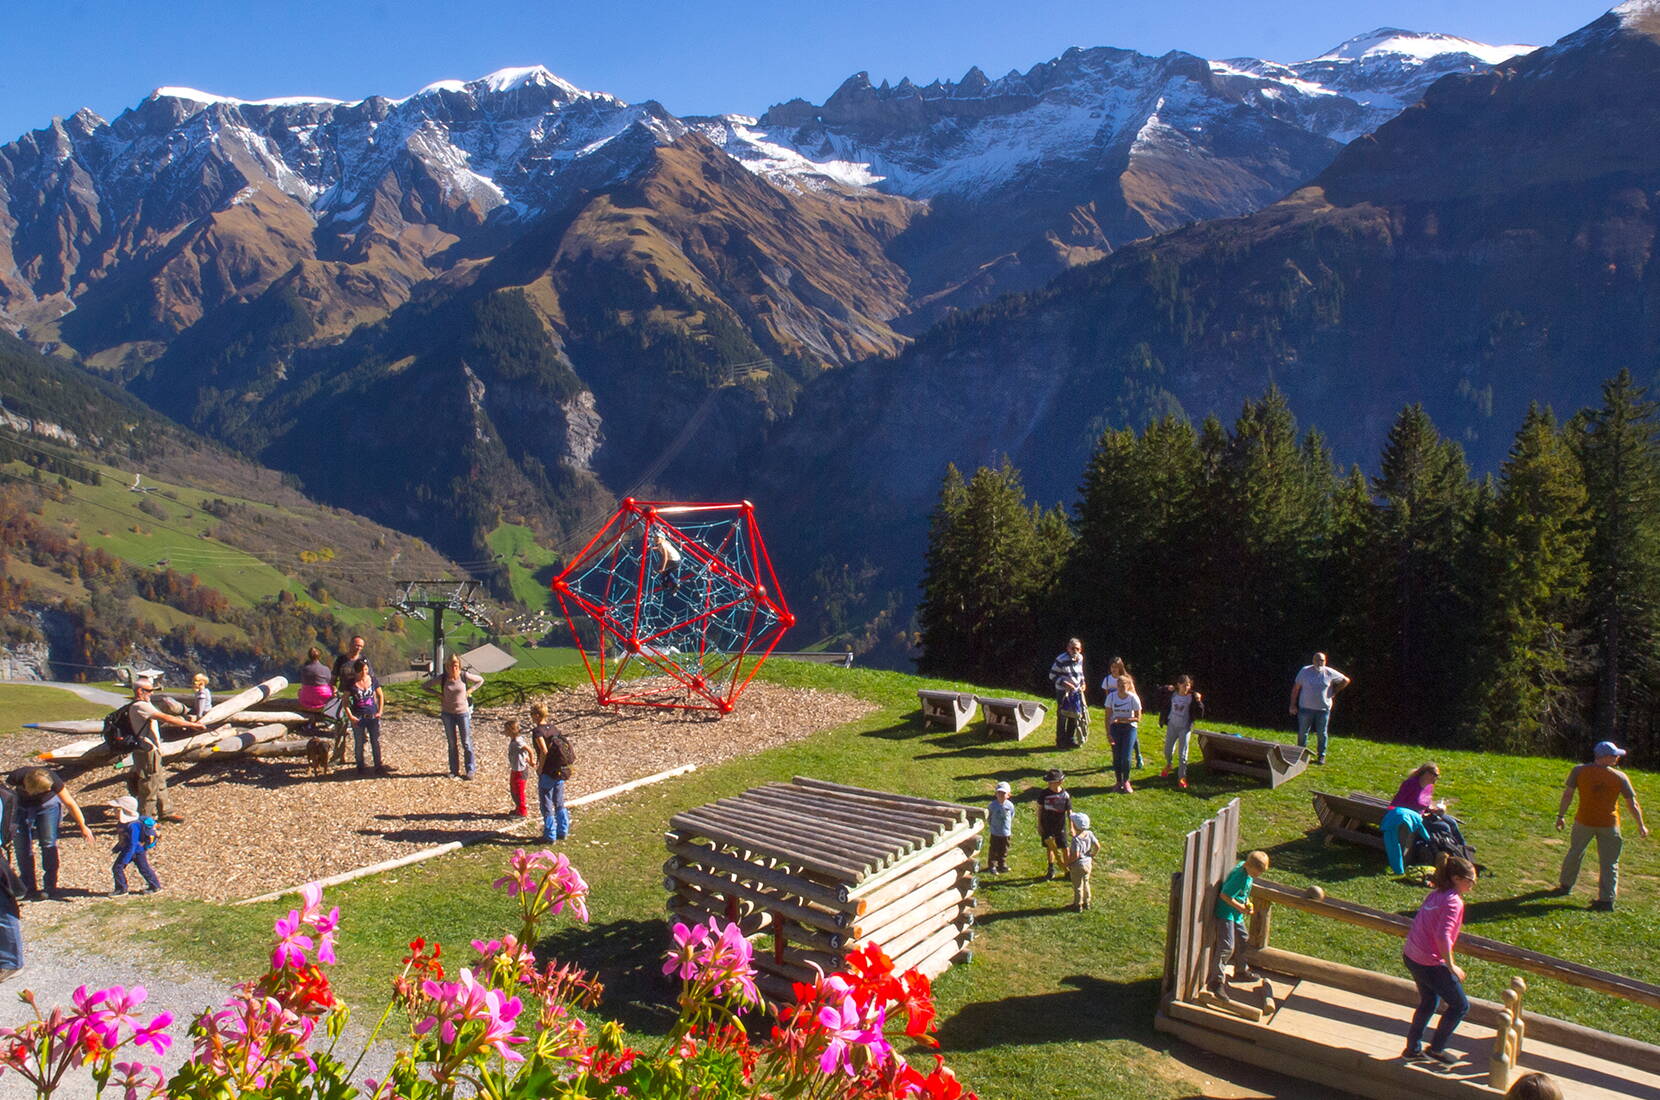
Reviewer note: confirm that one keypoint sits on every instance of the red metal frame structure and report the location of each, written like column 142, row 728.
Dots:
column 685, row 593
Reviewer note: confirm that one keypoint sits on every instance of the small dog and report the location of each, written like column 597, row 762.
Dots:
column 317, row 756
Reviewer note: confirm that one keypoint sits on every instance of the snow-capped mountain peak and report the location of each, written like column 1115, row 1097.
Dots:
column 1422, row 46
column 193, row 95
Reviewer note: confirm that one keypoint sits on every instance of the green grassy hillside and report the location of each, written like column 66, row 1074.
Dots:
column 1054, row 1003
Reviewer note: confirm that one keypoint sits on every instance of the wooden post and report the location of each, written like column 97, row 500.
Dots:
column 1507, row 1038
column 1262, row 918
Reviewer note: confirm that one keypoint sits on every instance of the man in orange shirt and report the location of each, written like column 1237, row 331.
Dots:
column 1600, row 786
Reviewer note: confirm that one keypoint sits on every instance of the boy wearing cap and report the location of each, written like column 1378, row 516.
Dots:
column 1600, row 786
column 999, row 826
column 132, row 833
column 1080, row 859
column 1054, row 805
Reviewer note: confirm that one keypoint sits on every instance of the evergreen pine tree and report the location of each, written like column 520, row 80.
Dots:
column 1619, row 450
column 1421, row 601
column 942, row 614
column 1534, row 562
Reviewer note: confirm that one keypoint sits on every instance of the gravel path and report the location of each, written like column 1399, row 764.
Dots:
column 101, row 696
column 253, row 826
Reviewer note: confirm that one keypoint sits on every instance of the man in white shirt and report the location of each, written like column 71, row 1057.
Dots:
column 1312, row 692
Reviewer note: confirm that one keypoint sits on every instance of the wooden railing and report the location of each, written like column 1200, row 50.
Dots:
column 1313, row 900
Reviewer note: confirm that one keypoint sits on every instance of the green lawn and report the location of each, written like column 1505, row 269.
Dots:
column 525, row 557
column 1054, row 1003
column 20, row 703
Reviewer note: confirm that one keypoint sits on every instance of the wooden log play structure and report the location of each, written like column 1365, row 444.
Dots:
column 238, row 710
column 1344, row 1027
column 822, row 869
column 951, row 709
column 1012, row 718
column 1270, row 761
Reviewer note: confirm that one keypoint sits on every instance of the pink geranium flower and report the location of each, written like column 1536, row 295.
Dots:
column 682, row 957
column 292, row 942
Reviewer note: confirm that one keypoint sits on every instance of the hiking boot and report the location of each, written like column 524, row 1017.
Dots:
column 1246, row 976
column 176, row 819
column 1445, row 1057
column 1603, row 905
column 1559, row 891
column 1319, row 760
column 1220, row 992
column 35, row 895
column 1050, row 873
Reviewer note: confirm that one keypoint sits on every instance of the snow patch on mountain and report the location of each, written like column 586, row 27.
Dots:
column 1391, row 42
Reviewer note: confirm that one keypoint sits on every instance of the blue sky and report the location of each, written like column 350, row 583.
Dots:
column 695, row 58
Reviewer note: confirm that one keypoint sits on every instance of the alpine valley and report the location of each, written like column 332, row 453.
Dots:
column 510, row 300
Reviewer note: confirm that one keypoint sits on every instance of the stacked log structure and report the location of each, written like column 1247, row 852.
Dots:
column 818, row 869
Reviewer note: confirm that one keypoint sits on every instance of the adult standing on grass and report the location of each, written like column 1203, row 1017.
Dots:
column 316, row 681
column 1428, row 954
column 1116, row 669
column 1071, row 715
column 148, row 783
column 41, row 802
column 1123, row 712
column 1312, row 692
column 1600, row 786
column 364, row 703
column 554, row 760
column 456, row 686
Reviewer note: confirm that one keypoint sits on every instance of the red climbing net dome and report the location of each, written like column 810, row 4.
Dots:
column 683, row 600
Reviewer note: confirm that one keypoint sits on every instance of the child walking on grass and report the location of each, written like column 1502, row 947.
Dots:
column 518, row 766
column 1054, row 806
column 133, row 836
column 1000, row 827
column 1233, row 902
column 1080, row 860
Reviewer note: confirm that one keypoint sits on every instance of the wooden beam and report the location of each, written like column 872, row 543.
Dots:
column 688, row 853
column 1478, row 947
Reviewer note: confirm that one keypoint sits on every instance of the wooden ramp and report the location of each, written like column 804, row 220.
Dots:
column 1351, row 1041
column 1357, row 818
column 1345, row 1027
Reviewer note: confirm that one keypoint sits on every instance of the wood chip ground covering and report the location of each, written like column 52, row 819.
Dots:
column 256, row 825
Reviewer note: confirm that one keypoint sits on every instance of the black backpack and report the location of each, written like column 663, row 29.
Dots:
column 119, row 737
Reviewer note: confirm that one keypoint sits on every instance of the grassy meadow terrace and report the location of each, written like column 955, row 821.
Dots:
column 1054, row 1003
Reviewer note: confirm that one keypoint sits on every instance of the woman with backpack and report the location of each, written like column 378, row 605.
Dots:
column 364, row 702
column 555, row 758
column 456, row 686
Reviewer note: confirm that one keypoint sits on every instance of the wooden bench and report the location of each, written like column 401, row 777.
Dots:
column 1268, row 760
column 946, row 708
column 1357, row 817
column 1014, row 718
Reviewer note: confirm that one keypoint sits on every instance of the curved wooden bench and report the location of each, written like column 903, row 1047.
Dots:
column 946, row 708
column 1271, row 761
column 1014, row 718
column 1356, row 817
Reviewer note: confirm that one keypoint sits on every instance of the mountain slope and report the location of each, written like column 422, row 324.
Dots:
column 1489, row 247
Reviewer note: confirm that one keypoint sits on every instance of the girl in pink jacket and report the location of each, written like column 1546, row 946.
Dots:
column 1429, row 956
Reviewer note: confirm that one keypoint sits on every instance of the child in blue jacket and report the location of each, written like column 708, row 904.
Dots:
column 135, row 834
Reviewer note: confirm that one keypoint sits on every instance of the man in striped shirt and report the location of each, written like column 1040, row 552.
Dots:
column 1067, row 674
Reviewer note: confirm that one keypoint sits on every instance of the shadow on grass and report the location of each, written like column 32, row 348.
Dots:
column 626, row 955
column 1533, row 903
column 907, row 728
column 1312, row 856
column 1089, row 1009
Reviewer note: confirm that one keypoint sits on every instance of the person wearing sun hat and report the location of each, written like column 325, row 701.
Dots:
column 999, row 827
column 133, row 834
column 1080, row 859
column 1600, row 786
